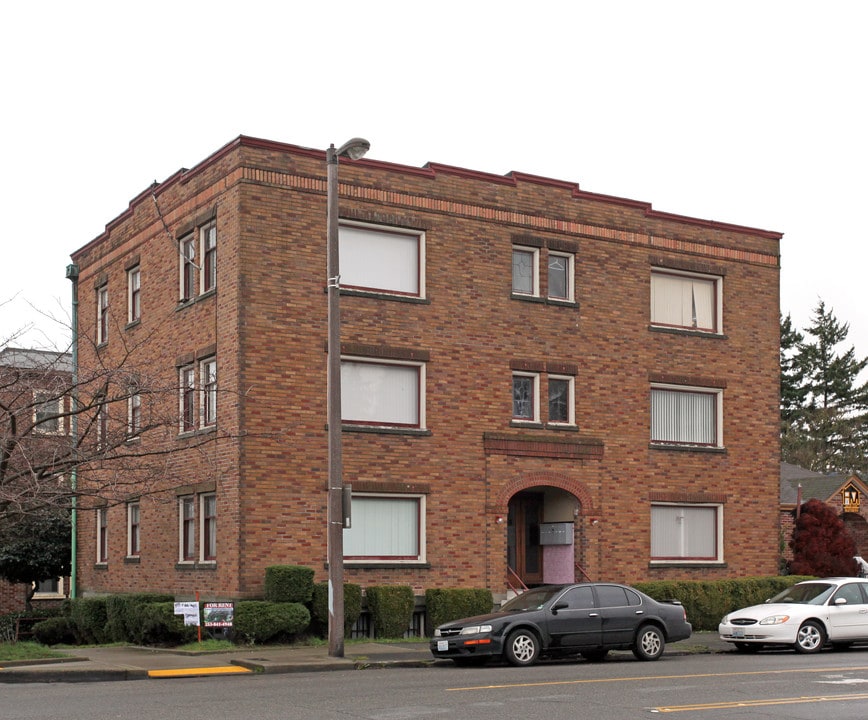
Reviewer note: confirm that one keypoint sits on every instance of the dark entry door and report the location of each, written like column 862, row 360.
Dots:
column 524, row 554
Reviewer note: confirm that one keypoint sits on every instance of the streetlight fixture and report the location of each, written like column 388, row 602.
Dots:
column 353, row 149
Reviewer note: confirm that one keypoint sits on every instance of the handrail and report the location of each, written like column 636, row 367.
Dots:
column 582, row 571
column 512, row 573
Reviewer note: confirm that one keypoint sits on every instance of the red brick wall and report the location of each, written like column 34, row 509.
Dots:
column 268, row 319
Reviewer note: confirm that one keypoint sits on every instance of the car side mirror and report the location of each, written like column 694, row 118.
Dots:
column 559, row 606
column 840, row 601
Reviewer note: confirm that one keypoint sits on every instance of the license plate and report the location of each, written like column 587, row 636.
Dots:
column 738, row 632
column 442, row 645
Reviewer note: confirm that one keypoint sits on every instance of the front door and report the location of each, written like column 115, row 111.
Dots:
column 524, row 554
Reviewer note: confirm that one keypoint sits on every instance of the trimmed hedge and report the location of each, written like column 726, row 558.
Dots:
column 707, row 601
column 391, row 608
column 124, row 623
column 258, row 621
column 89, row 618
column 54, row 631
column 288, row 584
column 448, row 604
column 319, row 607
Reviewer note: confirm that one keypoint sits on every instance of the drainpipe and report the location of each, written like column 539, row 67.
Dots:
column 72, row 275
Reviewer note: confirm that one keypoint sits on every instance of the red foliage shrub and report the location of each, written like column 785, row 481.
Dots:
column 821, row 544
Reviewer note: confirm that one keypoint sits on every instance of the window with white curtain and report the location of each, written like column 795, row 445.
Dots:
column 686, row 301
column 686, row 416
column 382, row 393
column 386, row 528
column 686, row 532
column 382, row 259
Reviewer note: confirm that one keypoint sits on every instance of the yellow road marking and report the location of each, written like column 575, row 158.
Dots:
column 644, row 678
column 188, row 672
column 761, row 703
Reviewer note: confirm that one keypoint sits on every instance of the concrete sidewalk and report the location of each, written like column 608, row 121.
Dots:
column 94, row 664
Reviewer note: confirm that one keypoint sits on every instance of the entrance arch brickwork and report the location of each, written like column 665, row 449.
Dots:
column 545, row 478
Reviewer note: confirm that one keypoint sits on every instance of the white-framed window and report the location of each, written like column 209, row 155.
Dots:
column 187, row 528
column 686, row 532
column 382, row 392
column 134, row 415
column 208, row 380
column 208, row 253
column 102, row 314
column 50, row 589
column 686, row 300
column 683, row 415
column 134, row 295
column 102, row 535
column 561, row 276
column 525, row 271
column 208, row 504
column 133, row 529
column 187, row 398
column 562, row 400
column 382, row 259
column 386, row 528
column 197, row 528
column 525, row 397
column 187, row 253
column 102, row 427
column 47, row 413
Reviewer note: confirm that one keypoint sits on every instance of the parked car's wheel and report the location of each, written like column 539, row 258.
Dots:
column 595, row 655
column 522, row 648
column 810, row 638
column 748, row 647
column 649, row 643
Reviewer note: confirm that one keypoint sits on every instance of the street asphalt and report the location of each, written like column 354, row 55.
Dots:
column 94, row 664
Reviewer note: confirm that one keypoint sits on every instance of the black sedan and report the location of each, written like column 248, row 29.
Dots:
column 586, row 619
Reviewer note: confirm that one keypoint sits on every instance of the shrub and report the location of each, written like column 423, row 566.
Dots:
column 124, row 623
column 821, row 543
column 453, row 603
column 157, row 624
column 391, row 608
column 288, row 584
column 319, row 607
column 258, row 621
column 54, row 631
column 89, row 618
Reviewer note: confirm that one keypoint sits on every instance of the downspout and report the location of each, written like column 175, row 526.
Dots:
column 72, row 275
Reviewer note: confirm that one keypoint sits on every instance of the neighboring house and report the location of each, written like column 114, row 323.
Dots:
column 847, row 493
column 34, row 388
column 535, row 379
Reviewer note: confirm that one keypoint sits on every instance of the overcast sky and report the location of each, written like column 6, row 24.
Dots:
column 752, row 113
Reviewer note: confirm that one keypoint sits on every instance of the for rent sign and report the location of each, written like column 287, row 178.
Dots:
column 218, row 614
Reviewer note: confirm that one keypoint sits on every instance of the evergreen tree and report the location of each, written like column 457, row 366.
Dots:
column 824, row 408
column 821, row 544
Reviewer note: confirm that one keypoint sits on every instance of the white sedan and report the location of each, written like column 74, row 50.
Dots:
column 805, row 617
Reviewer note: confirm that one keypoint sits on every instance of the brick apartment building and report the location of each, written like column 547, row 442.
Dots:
column 536, row 379
column 34, row 388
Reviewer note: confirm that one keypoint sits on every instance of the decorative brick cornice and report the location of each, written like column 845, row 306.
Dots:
column 526, row 445
column 686, row 497
column 694, row 380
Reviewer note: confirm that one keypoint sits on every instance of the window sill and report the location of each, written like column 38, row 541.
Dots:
column 687, row 331
column 187, row 302
column 187, row 434
column 527, row 298
column 134, row 323
column 132, row 560
column 658, row 564
column 383, row 295
column 191, row 565
column 562, row 427
column 385, row 564
column 101, row 565
column 675, row 447
column 532, row 424
column 385, row 430
column 559, row 302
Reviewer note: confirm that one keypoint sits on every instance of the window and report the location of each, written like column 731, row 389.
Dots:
column 188, row 528
column 48, row 589
column 209, row 392
column 102, row 316
column 387, row 528
column 686, row 532
column 102, row 535
column 381, row 393
column 681, row 300
column 102, row 427
column 133, row 535
column 201, row 534
column 188, row 398
column 134, row 415
column 562, row 400
column 525, row 397
column 686, row 416
column 525, row 272
column 47, row 412
column 209, row 527
column 382, row 259
column 208, row 240
column 134, row 295
column 187, row 247
column 561, row 276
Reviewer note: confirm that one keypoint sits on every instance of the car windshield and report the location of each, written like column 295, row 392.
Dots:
column 805, row 594
column 531, row 599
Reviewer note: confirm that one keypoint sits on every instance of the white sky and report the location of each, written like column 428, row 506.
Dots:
column 751, row 113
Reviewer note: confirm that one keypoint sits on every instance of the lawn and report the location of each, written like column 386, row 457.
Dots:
column 15, row 652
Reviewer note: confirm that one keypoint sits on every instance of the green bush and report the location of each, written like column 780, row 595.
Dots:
column 319, row 607
column 258, row 621
column 707, row 601
column 123, row 623
column 54, row 631
column 288, row 584
column 155, row 623
column 391, row 608
column 89, row 618
column 448, row 604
